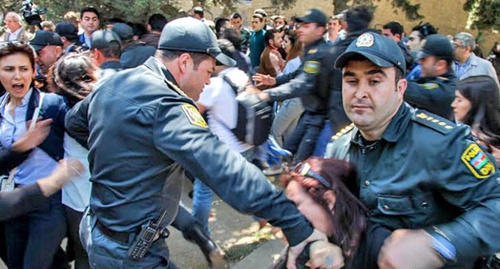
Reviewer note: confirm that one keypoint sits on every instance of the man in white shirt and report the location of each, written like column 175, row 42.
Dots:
column 14, row 31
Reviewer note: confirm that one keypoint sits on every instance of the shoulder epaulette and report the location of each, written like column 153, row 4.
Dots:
column 434, row 122
column 343, row 131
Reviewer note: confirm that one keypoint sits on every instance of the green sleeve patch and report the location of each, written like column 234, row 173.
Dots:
column 430, row 86
column 311, row 67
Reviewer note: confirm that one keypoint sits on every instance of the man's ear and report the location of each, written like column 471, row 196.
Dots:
column 401, row 86
column 184, row 61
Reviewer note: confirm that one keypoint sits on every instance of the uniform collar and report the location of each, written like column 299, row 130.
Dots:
column 157, row 67
column 395, row 129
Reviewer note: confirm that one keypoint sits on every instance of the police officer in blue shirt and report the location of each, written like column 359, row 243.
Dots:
column 143, row 128
column 420, row 175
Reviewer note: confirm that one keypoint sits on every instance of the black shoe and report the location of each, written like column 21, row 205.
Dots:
column 207, row 246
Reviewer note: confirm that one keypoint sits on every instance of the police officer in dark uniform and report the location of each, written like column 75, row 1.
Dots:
column 434, row 91
column 312, row 82
column 420, row 175
column 143, row 127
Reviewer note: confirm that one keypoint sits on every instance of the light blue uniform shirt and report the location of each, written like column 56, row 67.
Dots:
column 12, row 127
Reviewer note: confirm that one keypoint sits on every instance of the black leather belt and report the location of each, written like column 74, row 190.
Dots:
column 121, row 237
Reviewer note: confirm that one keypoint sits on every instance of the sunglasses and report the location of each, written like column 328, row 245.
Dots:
column 304, row 169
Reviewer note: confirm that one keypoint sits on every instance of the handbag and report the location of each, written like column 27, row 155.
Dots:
column 7, row 181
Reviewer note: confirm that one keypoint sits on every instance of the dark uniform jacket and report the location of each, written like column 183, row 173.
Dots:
column 311, row 81
column 427, row 171
column 433, row 94
column 140, row 128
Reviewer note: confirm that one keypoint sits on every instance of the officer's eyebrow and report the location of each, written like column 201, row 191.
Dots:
column 376, row 71
column 349, row 74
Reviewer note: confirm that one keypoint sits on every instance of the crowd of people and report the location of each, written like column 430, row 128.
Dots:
column 393, row 139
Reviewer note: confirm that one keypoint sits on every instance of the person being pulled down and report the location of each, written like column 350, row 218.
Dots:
column 320, row 189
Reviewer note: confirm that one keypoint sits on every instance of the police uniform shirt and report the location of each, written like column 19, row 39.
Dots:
column 427, row 171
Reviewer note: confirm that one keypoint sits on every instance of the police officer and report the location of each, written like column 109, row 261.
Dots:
column 312, row 82
column 142, row 126
column 434, row 91
column 420, row 175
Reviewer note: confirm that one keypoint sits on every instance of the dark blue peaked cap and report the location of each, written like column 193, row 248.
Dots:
column 380, row 50
column 192, row 35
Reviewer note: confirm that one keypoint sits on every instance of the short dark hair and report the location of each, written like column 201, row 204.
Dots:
column 157, row 22
column 89, row 9
column 236, row 15
column 114, row 50
column 358, row 18
column 233, row 36
column 395, row 27
column 169, row 55
column 424, row 30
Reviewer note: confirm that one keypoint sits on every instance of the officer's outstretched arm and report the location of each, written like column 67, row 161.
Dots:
column 182, row 134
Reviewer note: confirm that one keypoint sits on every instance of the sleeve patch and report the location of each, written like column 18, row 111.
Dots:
column 477, row 162
column 311, row 67
column 430, row 86
column 194, row 116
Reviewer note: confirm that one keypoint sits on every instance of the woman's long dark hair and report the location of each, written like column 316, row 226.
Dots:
column 72, row 76
column 349, row 214
column 483, row 94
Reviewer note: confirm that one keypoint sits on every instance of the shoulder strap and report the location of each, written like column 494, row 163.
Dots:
column 233, row 86
column 36, row 113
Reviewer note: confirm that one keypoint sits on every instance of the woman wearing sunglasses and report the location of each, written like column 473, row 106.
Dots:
column 32, row 239
column 321, row 190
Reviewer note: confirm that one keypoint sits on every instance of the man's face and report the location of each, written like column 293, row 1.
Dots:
column 414, row 41
column 12, row 23
column 388, row 33
column 429, row 66
column 277, row 39
column 371, row 96
column 279, row 22
column 309, row 32
column 460, row 52
column 334, row 26
column 236, row 23
column 48, row 56
column 257, row 24
column 90, row 22
column 194, row 79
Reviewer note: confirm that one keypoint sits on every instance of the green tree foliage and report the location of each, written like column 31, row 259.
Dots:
column 484, row 14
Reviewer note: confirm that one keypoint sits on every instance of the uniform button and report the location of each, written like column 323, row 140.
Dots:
column 424, row 204
column 367, row 183
column 386, row 207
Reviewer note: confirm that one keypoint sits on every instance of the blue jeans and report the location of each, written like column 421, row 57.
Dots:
column 203, row 196
column 324, row 137
column 33, row 239
column 303, row 139
column 106, row 253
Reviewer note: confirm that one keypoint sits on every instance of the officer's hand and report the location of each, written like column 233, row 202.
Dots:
column 263, row 80
column 409, row 249
column 294, row 251
column 325, row 255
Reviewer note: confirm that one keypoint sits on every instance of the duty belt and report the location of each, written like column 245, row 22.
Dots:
column 121, row 237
